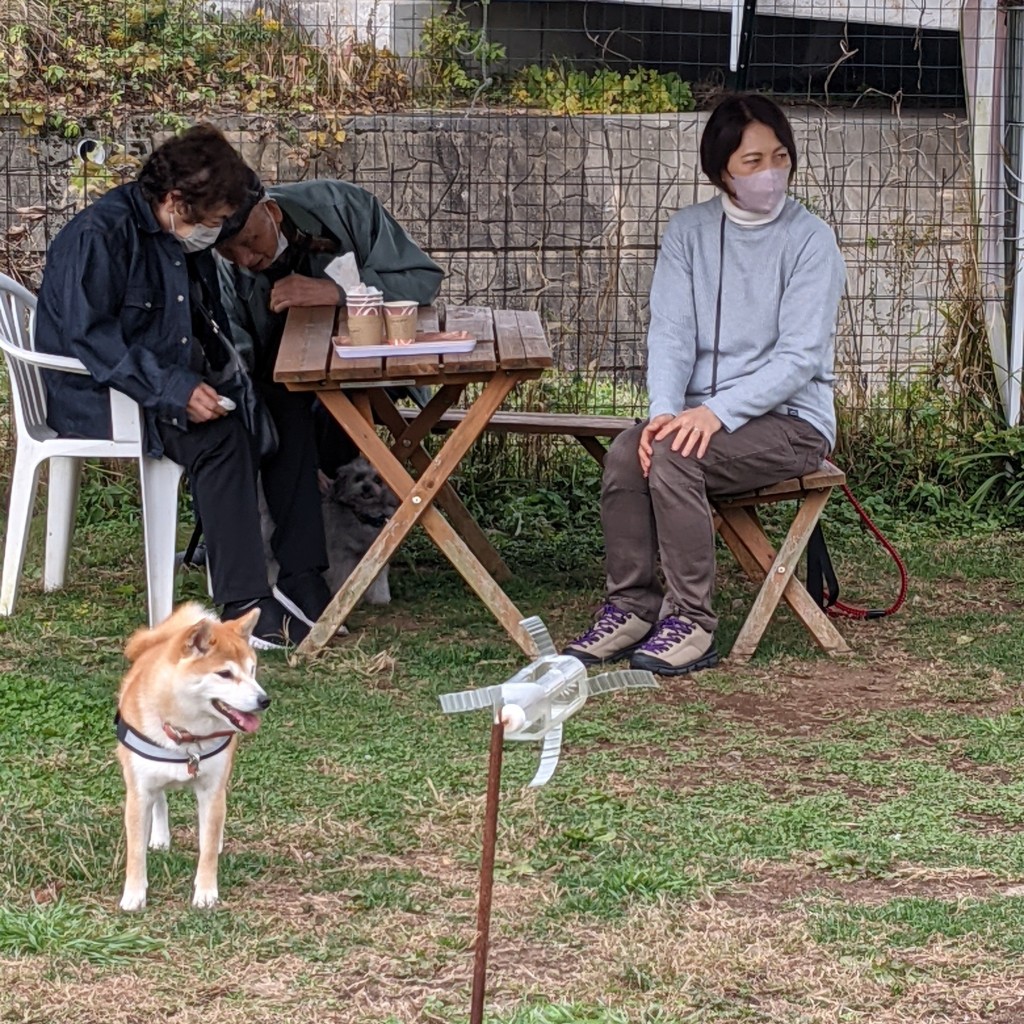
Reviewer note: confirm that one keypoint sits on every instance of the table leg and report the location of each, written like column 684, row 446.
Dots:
column 361, row 400
column 417, row 497
column 408, row 448
column 594, row 447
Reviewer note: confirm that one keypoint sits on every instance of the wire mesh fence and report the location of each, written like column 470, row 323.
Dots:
column 537, row 149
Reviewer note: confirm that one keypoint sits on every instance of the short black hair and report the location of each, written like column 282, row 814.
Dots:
column 202, row 166
column 724, row 132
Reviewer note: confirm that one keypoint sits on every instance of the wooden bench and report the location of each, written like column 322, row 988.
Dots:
column 586, row 429
column 736, row 520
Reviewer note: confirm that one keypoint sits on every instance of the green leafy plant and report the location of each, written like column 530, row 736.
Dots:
column 182, row 55
column 567, row 90
column 457, row 59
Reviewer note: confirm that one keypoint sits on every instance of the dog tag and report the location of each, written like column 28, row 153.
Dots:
column 193, row 765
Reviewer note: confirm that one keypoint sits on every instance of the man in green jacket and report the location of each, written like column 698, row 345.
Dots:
column 276, row 250
column 279, row 248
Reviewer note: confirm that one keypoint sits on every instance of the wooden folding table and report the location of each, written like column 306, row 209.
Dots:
column 511, row 348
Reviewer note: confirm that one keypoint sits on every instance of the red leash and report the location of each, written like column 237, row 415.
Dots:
column 839, row 608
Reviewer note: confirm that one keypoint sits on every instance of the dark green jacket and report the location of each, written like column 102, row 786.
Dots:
column 340, row 218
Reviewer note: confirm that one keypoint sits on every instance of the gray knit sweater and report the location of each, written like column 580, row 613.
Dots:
column 781, row 286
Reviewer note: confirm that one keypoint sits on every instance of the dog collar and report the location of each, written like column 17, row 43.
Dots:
column 139, row 744
column 172, row 732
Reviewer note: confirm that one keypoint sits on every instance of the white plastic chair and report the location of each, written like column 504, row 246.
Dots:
column 37, row 442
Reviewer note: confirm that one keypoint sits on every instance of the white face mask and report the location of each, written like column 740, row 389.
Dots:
column 201, row 237
column 282, row 242
column 761, row 191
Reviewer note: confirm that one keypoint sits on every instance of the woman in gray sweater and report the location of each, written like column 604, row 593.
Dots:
column 740, row 357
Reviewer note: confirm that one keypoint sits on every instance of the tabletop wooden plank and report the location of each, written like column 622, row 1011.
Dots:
column 511, row 350
column 479, row 322
column 456, row 317
column 367, row 368
column 308, row 357
column 535, row 342
column 306, row 348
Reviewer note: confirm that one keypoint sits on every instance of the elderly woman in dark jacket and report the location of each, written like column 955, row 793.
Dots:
column 130, row 289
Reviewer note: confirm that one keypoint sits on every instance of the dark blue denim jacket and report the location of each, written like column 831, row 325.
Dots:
column 115, row 294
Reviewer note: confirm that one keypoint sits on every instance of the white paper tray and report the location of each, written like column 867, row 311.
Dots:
column 427, row 343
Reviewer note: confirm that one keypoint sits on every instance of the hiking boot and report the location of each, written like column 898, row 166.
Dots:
column 615, row 634
column 675, row 647
column 305, row 596
column 276, row 628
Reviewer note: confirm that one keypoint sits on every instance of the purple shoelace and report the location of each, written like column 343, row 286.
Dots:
column 609, row 620
column 670, row 631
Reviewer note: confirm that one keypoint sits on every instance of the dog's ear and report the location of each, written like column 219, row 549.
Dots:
column 247, row 623
column 324, row 482
column 339, row 487
column 199, row 638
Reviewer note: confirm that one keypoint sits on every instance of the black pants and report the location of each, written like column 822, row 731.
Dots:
column 290, row 484
column 222, row 466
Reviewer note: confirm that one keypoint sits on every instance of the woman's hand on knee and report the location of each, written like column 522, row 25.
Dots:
column 693, row 430
column 651, row 427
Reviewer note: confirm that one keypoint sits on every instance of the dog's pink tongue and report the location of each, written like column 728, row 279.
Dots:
column 246, row 721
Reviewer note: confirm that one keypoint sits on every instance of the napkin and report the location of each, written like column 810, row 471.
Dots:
column 342, row 270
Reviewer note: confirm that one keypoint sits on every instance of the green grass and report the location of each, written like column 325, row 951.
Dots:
column 64, row 931
column 993, row 925
column 798, row 840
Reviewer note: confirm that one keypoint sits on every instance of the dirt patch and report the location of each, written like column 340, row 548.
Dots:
column 799, row 698
column 778, row 886
column 985, row 772
column 747, row 954
column 986, row 595
column 989, row 824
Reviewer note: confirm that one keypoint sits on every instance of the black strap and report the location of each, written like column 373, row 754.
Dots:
column 193, row 543
column 718, row 307
column 822, row 583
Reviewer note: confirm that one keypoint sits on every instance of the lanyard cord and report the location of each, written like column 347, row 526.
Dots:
column 718, row 308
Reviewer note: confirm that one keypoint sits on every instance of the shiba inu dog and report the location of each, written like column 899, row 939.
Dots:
column 190, row 690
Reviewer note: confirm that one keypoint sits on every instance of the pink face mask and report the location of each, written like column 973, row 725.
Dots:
column 761, row 191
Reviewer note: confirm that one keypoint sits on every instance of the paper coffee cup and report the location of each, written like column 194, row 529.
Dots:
column 365, row 323
column 400, row 321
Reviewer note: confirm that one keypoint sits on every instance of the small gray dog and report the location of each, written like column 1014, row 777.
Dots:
column 356, row 505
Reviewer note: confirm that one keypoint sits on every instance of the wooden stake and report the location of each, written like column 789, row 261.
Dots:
column 483, row 910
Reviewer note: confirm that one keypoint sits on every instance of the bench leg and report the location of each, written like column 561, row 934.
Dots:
column 594, row 447
column 742, row 533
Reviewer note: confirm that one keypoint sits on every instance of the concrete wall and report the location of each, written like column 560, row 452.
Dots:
column 563, row 215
